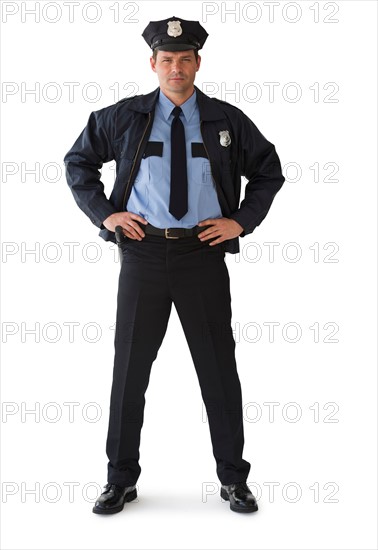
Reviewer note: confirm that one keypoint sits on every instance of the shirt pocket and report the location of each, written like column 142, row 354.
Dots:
column 151, row 166
column 200, row 165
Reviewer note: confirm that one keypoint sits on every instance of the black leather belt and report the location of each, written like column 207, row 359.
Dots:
column 173, row 232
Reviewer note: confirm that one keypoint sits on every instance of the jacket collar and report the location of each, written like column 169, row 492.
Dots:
column 144, row 103
column 209, row 109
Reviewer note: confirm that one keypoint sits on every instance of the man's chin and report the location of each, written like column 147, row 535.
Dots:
column 177, row 83
column 176, row 87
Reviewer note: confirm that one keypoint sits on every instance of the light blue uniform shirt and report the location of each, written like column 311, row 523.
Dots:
column 150, row 193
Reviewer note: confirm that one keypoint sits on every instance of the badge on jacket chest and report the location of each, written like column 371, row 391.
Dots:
column 225, row 138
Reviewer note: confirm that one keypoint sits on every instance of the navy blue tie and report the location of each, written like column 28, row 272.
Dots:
column 178, row 201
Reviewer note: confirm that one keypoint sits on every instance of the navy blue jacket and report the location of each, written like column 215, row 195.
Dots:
column 120, row 132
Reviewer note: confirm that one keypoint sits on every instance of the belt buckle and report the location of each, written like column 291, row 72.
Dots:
column 168, row 236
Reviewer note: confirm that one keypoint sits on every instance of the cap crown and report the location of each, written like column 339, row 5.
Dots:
column 175, row 34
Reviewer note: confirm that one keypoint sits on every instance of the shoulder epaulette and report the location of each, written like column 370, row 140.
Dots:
column 227, row 103
column 128, row 98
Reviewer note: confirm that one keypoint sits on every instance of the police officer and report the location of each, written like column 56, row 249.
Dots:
column 180, row 156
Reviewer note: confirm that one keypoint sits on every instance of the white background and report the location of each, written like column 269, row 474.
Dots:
column 314, row 462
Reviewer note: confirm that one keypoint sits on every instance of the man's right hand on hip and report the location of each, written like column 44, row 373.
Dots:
column 126, row 220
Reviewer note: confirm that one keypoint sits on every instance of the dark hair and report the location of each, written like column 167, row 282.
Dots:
column 155, row 51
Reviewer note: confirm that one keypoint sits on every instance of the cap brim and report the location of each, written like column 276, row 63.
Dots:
column 175, row 47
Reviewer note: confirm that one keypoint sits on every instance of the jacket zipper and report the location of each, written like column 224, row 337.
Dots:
column 208, row 156
column 135, row 160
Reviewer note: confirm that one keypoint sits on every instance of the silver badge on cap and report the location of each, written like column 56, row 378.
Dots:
column 225, row 138
column 174, row 28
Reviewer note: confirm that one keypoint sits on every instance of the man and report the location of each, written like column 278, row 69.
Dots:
column 180, row 156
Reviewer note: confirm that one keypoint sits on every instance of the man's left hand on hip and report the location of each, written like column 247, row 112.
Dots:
column 223, row 228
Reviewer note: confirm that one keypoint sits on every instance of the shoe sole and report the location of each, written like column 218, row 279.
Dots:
column 128, row 498
column 234, row 508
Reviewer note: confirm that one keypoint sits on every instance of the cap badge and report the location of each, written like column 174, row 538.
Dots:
column 174, row 28
column 225, row 138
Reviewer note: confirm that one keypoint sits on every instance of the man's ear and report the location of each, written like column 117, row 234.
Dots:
column 153, row 64
column 198, row 62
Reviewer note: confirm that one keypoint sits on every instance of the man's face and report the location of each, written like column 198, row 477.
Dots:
column 176, row 70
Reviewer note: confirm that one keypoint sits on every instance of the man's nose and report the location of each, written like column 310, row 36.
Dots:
column 176, row 66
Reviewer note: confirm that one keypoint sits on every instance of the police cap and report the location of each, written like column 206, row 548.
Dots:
column 175, row 34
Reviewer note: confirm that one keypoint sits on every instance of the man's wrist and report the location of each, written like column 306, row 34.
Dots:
column 242, row 234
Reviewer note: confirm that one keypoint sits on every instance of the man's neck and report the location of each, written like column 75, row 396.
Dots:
column 178, row 99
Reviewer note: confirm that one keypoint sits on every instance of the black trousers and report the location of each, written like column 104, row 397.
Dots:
column 193, row 275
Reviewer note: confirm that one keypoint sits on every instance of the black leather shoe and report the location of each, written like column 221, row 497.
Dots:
column 240, row 497
column 113, row 498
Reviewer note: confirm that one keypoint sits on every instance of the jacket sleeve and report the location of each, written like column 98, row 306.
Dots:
column 261, row 166
column 83, row 163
